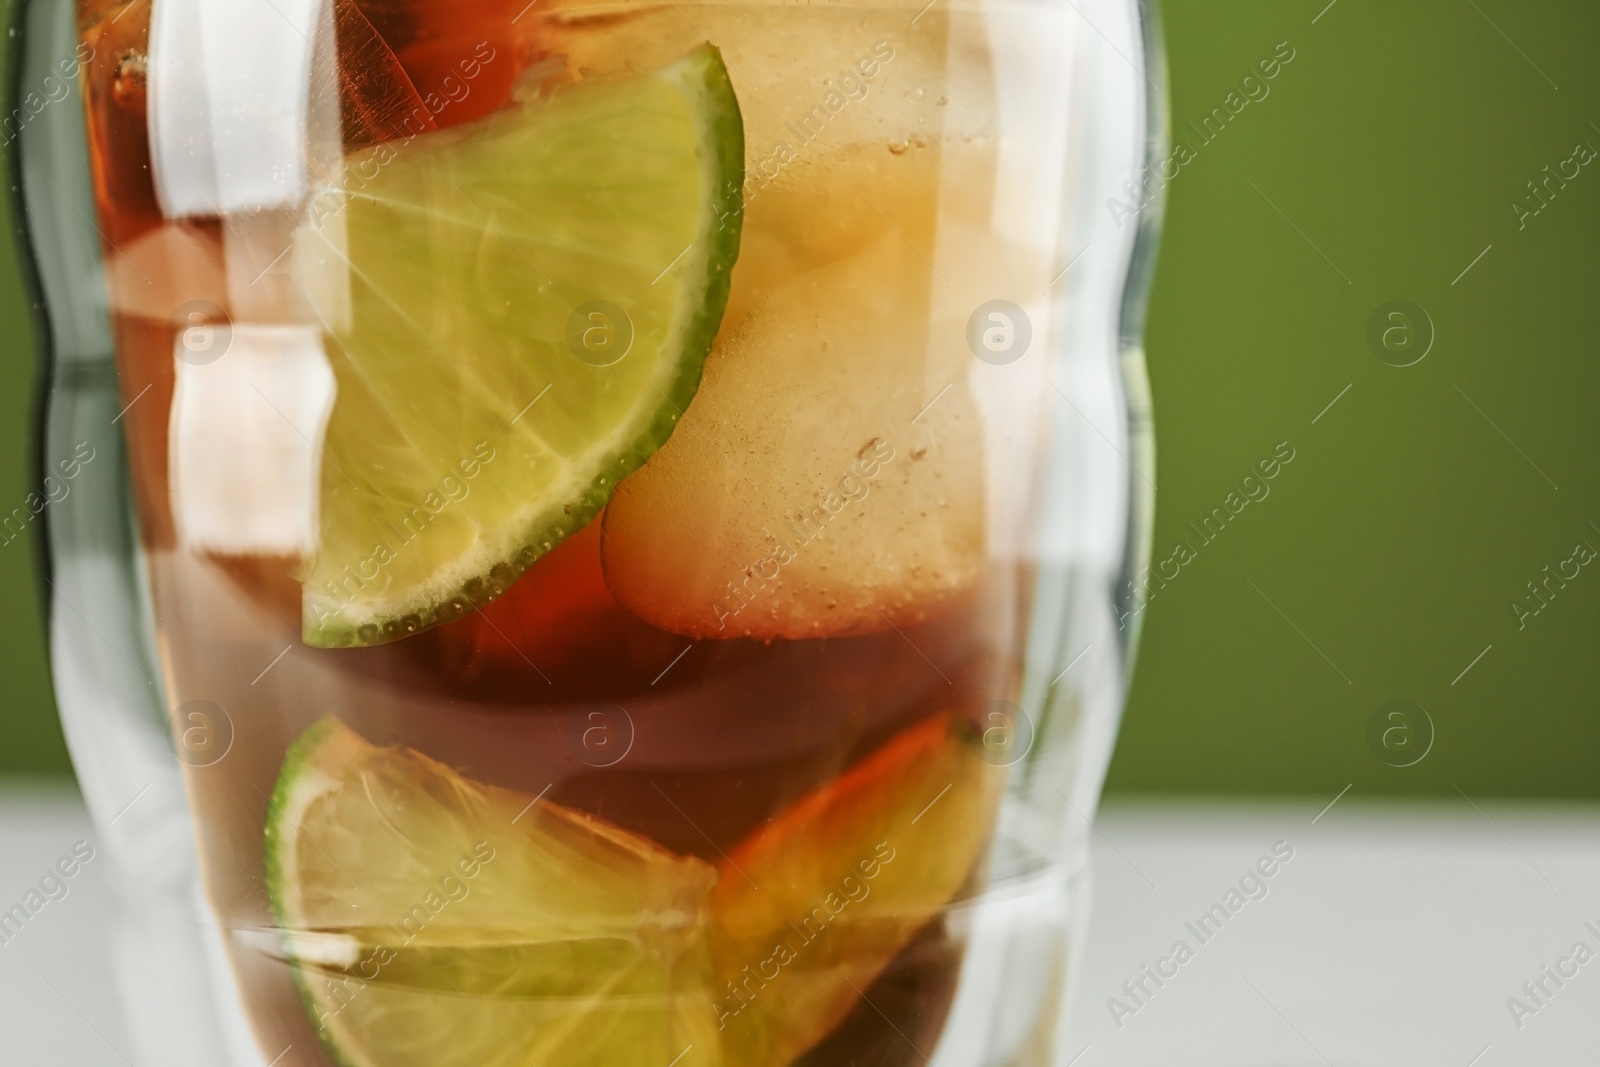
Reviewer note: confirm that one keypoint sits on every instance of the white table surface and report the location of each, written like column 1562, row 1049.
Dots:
column 1394, row 936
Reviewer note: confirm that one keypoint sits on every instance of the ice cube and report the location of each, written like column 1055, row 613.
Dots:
column 828, row 477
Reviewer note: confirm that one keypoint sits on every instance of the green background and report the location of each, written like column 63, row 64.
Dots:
column 1390, row 551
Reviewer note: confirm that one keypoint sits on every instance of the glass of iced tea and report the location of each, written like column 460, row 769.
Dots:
column 595, row 533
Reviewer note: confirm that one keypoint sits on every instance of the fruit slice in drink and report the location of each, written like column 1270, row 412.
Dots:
column 812, row 908
column 517, row 311
column 432, row 919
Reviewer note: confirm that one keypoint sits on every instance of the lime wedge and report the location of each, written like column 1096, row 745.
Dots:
column 517, row 311
column 812, row 907
column 431, row 919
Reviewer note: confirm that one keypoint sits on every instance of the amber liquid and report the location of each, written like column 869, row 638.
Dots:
column 553, row 690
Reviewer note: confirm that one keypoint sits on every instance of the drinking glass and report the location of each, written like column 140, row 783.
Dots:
column 487, row 634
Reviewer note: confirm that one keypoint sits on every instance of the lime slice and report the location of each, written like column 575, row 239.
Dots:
column 431, row 919
column 811, row 908
column 517, row 311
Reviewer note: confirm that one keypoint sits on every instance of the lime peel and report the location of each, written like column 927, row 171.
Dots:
column 447, row 284
column 462, row 902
